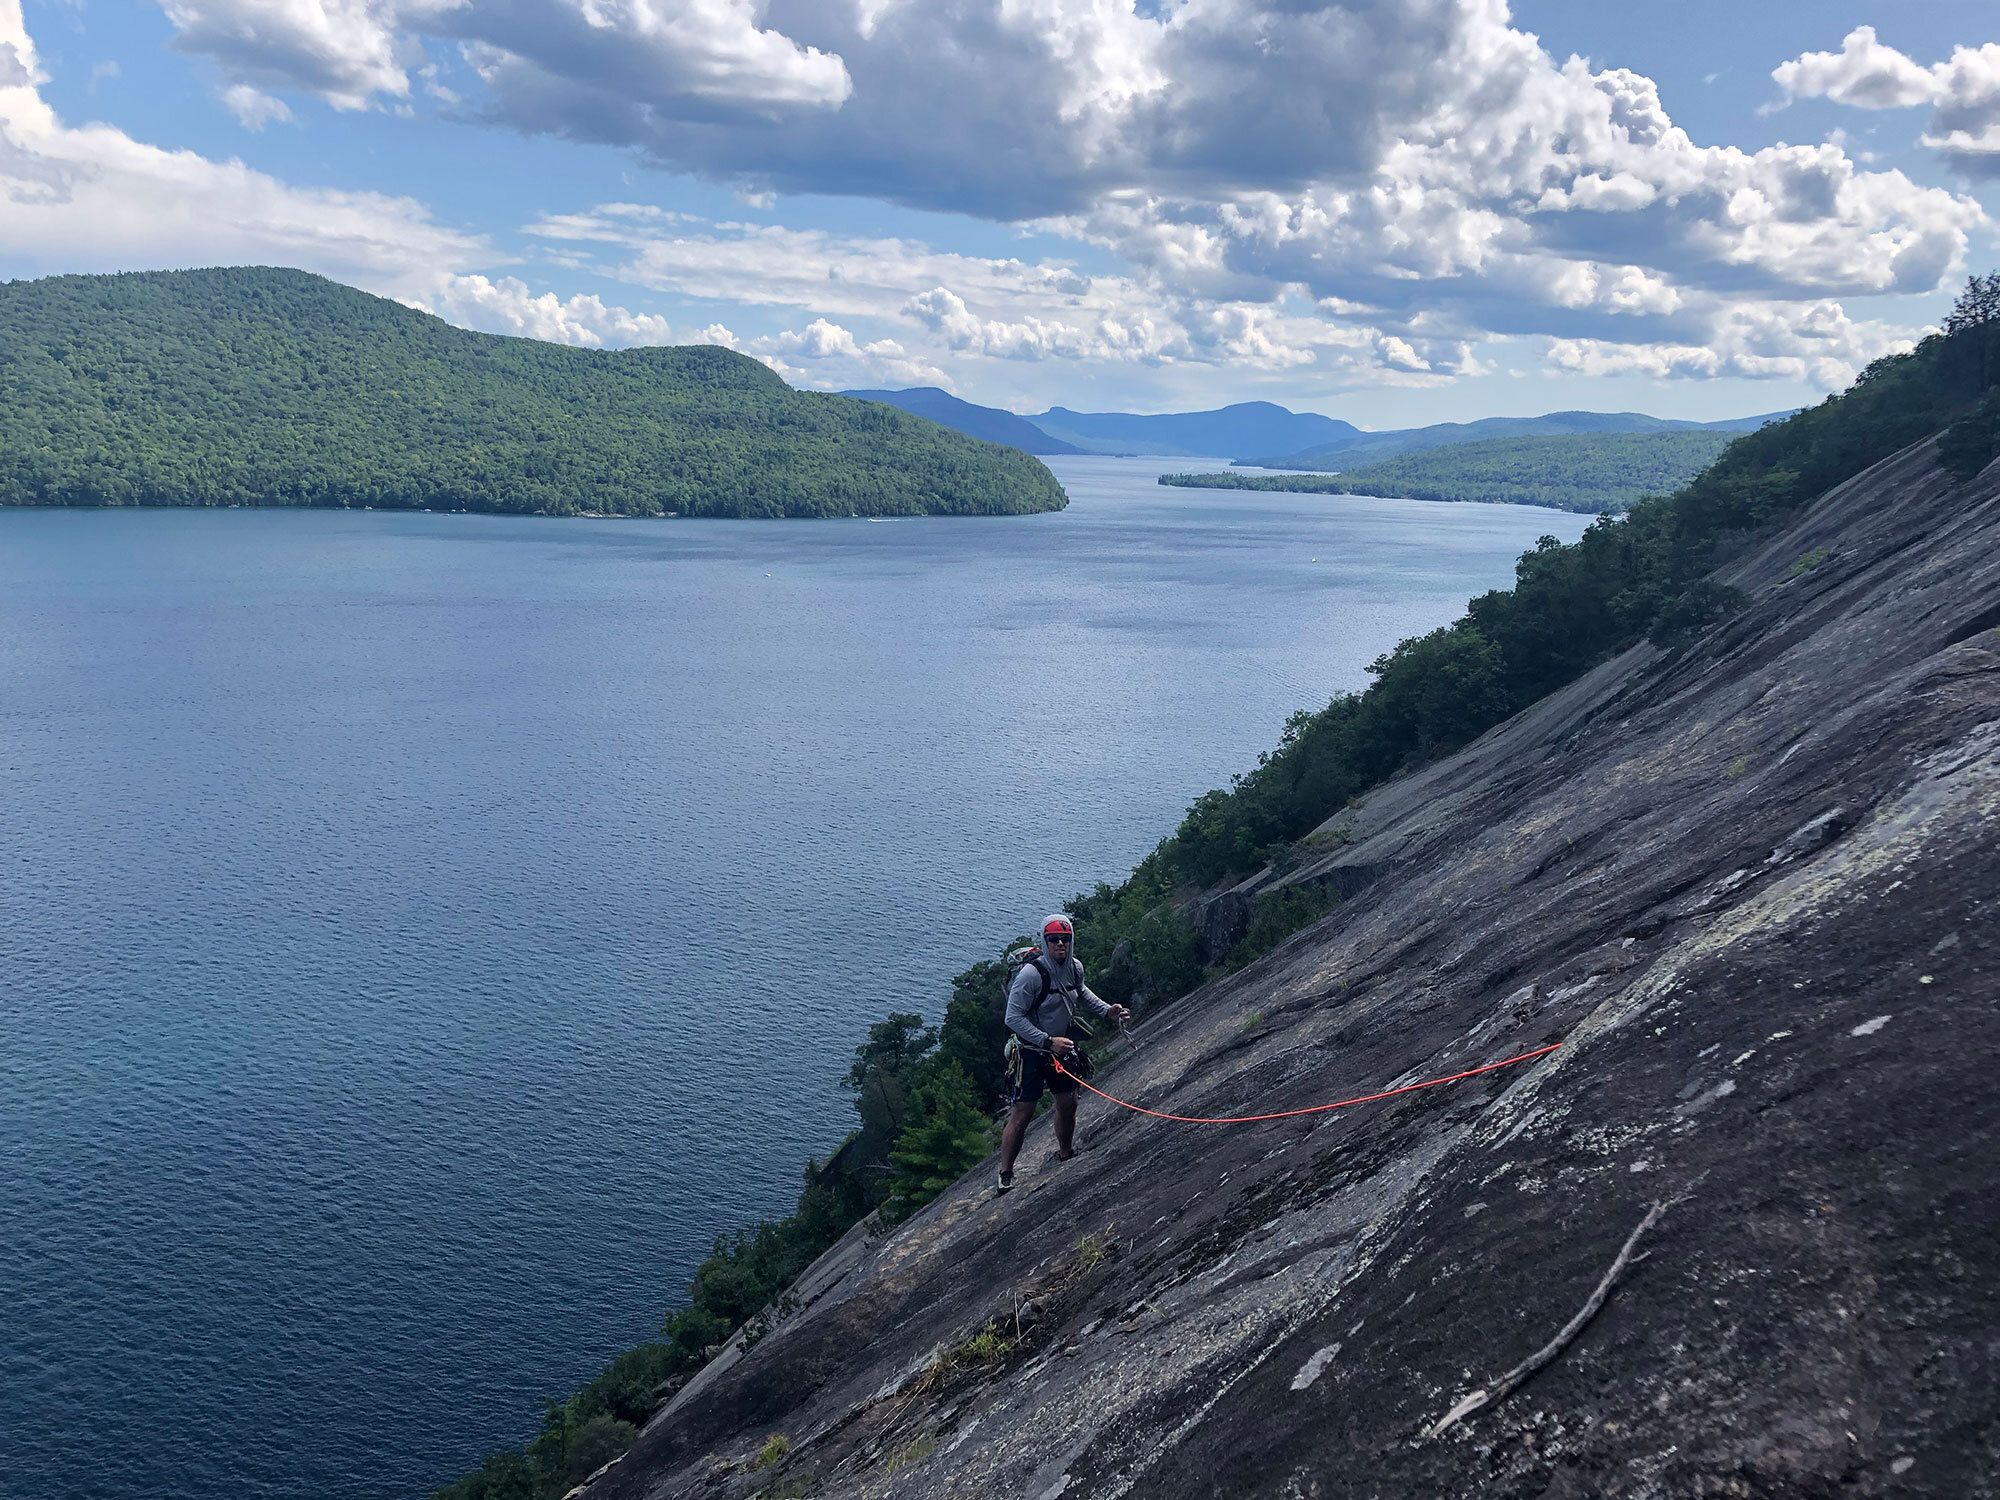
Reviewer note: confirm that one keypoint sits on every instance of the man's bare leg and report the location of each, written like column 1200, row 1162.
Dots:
column 1066, row 1125
column 1016, row 1127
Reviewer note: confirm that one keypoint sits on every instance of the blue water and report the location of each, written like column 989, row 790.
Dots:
column 419, row 934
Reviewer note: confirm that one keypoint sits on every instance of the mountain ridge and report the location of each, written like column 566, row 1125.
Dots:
column 1232, row 431
column 988, row 423
column 1374, row 447
column 1243, row 432
column 268, row 386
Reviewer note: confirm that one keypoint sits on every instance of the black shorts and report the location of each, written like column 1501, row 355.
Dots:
column 1037, row 1075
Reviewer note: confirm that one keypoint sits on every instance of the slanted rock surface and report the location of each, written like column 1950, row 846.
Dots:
column 1751, row 888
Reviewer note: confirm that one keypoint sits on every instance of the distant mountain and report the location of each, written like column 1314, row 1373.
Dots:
column 1234, row 432
column 988, row 422
column 1587, row 471
column 1342, row 454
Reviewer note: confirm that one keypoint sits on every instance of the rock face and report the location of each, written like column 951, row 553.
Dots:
column 1751, row 888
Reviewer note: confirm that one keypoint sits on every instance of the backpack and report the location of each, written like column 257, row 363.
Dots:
column 1020, row 958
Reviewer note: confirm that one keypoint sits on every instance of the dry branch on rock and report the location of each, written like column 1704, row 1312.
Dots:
column 1514, row 1378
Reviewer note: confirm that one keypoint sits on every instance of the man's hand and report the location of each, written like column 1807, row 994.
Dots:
column 1062, row 1046
column 1119, row 1014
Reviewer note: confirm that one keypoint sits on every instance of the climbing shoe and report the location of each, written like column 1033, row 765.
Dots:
column 1006, row 1182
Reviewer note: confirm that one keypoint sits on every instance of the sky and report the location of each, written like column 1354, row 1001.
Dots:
column 1390, row 211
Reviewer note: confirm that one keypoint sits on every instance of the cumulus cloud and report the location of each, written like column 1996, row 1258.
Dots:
column 829, row 357
column 95, row 199
column 509, row 306
column 984, row 105
column 1863, row 73
column 16, row 61
column 253, row 108
column 967, row 306
column 1368, row 184
column 92, row 198
column 592, row 68
column 344, row 51
column 1964, row 92
column 1817, row 343
column 1579, row 201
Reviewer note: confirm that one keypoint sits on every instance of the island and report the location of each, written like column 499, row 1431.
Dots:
column 1594, row 472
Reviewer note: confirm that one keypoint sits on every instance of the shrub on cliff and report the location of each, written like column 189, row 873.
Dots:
column 945, row 1135
column 504, row 1476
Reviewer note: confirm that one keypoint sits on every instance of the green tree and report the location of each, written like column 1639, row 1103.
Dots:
column 944, row 1136
column 503, row 1476
column 893, row 1045
column 596, row 1443
column 974, row 1034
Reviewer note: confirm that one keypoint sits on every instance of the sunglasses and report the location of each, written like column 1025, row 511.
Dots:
column 1056, row 937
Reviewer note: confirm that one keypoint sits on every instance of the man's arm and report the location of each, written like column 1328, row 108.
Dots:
column 1020, row 996
column 1097, row 1003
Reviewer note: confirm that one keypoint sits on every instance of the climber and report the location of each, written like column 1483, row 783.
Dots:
column 1041, row 1007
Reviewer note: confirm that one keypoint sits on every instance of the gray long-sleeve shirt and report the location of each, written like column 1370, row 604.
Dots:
column 1034, row 1020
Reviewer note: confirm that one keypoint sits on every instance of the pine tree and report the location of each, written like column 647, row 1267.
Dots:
column 943, row 1136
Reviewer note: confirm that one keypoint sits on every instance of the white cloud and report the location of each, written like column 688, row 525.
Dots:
column 966, row 306
column 509, row 306
column 946, row 315
column 92, row 198
column 1863, row 73
column 95, row 199
column 1368, row 191
column 17, row 58
column 1029, row 104
column 1815, row 343
column 827, row 356
column 1964, row 91
column 615, row 65
column 253, row 108
column 1422, row 164
column 345, row 51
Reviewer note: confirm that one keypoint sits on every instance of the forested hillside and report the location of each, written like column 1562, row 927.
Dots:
column 1373, row 447
column 1587, row 472
column 262, row 386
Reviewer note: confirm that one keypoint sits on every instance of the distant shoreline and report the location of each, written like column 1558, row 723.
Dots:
column 535, row 515
column 1328, row 484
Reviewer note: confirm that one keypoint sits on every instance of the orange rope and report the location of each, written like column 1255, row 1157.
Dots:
column 1317, row 1109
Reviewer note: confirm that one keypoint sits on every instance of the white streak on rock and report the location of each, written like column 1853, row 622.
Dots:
column 1313, row 1368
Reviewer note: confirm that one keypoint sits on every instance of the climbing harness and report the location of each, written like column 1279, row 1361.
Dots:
column 1014, row 1052
column 1317, row 1109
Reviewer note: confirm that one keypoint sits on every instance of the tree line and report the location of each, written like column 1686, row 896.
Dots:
column 1594, row 471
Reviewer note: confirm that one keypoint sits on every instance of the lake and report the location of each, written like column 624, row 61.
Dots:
column 421, row 934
